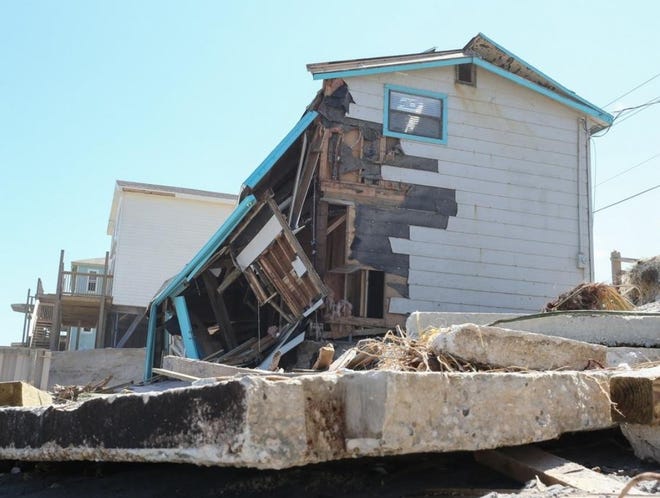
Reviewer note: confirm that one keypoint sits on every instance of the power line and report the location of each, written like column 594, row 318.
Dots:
column 627, row 198
column 631, row 91
column 629, row 169
column 637, row 109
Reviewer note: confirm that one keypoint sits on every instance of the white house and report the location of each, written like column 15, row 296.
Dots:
column 155, row 230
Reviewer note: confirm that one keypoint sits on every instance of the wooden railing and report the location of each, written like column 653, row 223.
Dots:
column 85, row 284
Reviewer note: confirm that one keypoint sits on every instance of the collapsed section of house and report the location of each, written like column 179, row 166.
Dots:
column 308, row 241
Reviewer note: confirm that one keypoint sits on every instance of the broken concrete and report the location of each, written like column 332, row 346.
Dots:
column 644, row 439
column 275, row 422
column 23, row 394
column 503, row 348
column 632, row 356
column 125, row 365
column 595, row 327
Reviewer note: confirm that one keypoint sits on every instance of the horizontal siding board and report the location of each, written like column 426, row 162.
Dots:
column 564, row 279
column 485, row 255
column 482, row 299
column 404, row 306
column 431, row 280
column 541, row 208
column 526, row 219
column 502, row 243
column 476, row 185
column 513, row 231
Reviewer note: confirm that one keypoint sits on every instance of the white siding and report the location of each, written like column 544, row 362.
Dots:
column 155, row 236
column 512, row 158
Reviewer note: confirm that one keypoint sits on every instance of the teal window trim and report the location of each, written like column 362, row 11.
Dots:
column 422, row 93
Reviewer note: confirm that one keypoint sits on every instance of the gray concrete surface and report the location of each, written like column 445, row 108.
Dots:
column 503, row 348
column 277, row 422
column 644, row 439
column 94, row 365
column 606, row 328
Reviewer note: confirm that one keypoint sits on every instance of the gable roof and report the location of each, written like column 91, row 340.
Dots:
column 480, row 51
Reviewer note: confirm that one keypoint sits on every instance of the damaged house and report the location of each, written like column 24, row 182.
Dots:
column 438, row 181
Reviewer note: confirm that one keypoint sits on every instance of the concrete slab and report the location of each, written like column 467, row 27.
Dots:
column 632, row 356
column 644, row 439
column 23, row 394
column 596, row 327
column 276, row 422
column 499, row 347
column 94, row 365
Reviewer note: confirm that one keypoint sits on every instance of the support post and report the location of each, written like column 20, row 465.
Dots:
column 220, row 311
column 615, row 260
column 186, row 327
column 100, row 327
column 26, row 321
column 57, row 309
column 151, row 343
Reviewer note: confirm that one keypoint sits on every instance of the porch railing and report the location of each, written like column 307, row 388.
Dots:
column 85, row 284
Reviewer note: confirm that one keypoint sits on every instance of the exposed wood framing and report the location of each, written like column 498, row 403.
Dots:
column 227, row 334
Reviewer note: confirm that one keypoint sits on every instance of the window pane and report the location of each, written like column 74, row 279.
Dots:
column 415, row 104
column 415, row 125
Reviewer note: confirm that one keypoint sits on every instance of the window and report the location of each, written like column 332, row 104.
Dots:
column 466, row 74
column 415, row 114
column 91, row 281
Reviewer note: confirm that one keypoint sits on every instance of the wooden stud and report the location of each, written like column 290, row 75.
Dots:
column 228, row 336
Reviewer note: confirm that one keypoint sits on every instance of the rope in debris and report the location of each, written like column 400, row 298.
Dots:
column 646, row 476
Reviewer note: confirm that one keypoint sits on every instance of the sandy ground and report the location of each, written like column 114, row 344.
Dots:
column 452, row 474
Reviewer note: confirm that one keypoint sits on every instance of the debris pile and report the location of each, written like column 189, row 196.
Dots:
column 398, row 352
column 641, row 284
column 62, row 394
column 590, row 296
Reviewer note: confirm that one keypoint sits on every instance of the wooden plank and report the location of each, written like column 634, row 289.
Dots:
column 174, row 375
column 527, row 462
column 291, row 299
column 321, row 238
column 291, row 239
column 363, row 193
column 227, row 333
column 636, row 396
column 228, row 280
column 256, row 287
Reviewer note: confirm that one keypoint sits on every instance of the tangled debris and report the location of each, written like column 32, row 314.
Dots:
column 398, row 352
column 641, row 284
column 70, row 393
column 590, row 296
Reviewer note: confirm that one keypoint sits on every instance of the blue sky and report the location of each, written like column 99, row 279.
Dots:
column 197, row 93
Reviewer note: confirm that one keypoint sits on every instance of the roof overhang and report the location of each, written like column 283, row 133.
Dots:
column 481, row 51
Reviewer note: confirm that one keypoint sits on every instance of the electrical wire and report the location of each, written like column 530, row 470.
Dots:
column 618, row 114
column 631, row 91
column 629, row 169
column 626, row 199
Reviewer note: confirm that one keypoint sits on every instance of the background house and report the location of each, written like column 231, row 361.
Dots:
column 155, row 230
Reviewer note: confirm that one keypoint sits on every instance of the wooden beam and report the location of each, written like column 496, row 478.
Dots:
column 228, row 280
column 228, row 335
column 335, row 224
column 321, row 238
column 523, row 463
column 174, row 375
column 131, row 328
column 636, row 396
